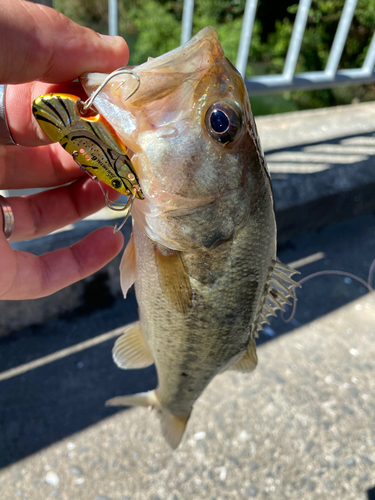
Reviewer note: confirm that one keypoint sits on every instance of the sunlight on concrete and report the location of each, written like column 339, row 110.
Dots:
column 301, row 426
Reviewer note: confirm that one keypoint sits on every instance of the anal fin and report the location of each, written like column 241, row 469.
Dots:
column 130, row 350
column 249, row 361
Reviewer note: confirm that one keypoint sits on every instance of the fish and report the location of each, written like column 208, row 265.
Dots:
column 202, row 254
column 89, row 138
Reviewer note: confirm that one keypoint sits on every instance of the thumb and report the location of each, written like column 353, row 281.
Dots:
column 39, row 43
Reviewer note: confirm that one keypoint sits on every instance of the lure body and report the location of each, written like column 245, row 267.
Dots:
column 89, row 138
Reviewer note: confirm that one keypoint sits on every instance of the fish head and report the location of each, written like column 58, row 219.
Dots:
column 186, row 120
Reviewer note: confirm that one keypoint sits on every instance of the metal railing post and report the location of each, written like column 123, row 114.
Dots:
column 369, row 62
column 112, row 17
column 340, row 37
column 245, row 40
column 296, row 40
column 187, row 21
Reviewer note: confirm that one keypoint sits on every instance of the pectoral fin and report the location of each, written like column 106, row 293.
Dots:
column 130, row 350
column 128, row 267
column 174, row 279
column 249, row 360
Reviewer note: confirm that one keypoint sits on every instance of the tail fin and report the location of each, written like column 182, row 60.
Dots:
column 172, row 426
column 141, row 399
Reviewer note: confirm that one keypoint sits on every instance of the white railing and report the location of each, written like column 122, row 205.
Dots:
column 288, row 80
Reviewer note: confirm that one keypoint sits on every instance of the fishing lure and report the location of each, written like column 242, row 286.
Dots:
column 91, row 140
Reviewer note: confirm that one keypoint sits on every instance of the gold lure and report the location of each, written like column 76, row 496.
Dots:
column 89, row 138
column 92, row 141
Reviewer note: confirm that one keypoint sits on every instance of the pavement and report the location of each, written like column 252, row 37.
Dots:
column 302, row 426
column 322, row 164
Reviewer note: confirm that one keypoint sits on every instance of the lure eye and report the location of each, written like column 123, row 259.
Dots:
column 223, row 121
column 116, row 183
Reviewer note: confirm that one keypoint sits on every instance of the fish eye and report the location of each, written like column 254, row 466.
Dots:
column 116, row 183
column 223, row 121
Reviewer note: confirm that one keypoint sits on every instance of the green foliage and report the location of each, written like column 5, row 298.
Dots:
column 157, row 25
column 90, row 13
column 153, row 27
column 323, row 19
column 155, row 38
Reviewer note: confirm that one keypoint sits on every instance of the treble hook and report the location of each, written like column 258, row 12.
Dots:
column 127, row 209
column 112, row 205
column 87, row 104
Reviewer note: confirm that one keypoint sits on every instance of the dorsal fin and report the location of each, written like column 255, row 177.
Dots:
column 278, row 290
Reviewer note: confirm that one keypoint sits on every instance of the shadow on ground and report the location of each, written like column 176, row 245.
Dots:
column 66, row 395
column 321, row 183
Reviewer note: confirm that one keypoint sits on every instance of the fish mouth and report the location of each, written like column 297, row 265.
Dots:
column 160, row 109
column 159, row 91
column 201, row 50
column 162, row 75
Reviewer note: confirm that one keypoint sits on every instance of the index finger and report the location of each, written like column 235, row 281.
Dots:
column 19, row 99
column 39, row 43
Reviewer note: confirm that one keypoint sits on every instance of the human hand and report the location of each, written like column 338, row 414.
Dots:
column 39, row 48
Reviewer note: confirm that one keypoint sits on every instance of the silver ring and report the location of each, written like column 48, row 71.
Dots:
column 8, row 217
column 6, row 138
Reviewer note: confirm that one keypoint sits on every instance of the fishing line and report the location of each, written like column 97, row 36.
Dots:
column 367, row 284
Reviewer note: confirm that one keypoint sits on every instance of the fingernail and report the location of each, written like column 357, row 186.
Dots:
column 109, row 39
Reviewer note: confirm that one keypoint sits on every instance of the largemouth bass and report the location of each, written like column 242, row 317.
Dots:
column 202, row 253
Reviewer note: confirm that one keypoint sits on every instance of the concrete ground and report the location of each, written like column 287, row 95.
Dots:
column 301, row 427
